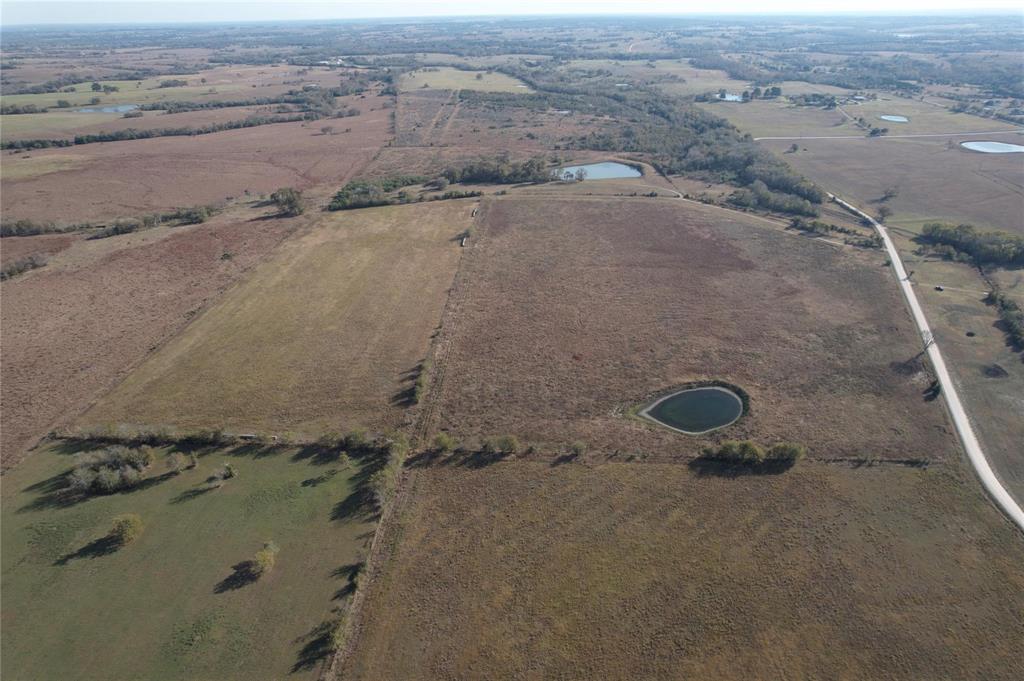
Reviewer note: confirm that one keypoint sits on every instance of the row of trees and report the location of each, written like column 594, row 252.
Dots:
column 136, row 134
column 22, row 265
column 757, row 195
column 500, row 171
column 965, row 242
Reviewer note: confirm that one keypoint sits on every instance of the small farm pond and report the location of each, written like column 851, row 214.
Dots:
column 608, row 170
column 893, row 118
column 728, row 97
column 696, row 410
column 993, row 147
column 120, row 108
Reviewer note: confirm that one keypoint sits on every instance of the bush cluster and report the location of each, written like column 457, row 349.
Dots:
column 109, row 470
column 22, row 265
column 748, row 452
column 965, row 243
column 126, row 529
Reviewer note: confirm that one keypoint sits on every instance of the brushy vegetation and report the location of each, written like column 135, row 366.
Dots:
column 384, row 482
column 264, row 560
column 126, row 529
column 109, row 470
column 22, row 265
column 1010, row 315
column 749, row 453
column 288, row 201
column 964, row 243
column 367, row 193
column 26, row 227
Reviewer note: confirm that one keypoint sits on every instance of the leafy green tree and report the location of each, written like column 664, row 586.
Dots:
column 126, row 529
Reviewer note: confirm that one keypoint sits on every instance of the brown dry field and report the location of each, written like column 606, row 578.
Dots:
column 124, row 179
column 73, row 329
column 571, row 311
column 523, row 570
column 935, row 182
column 324, row 336
column 16, row 247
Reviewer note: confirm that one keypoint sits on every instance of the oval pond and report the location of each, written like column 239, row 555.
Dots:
column 993, row 147
column 893, row 118
column 607, row 170
column 696, row 410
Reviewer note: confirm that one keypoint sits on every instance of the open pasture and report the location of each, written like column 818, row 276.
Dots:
column 573, row 310
column 624, row 571
column 72, row 329
column 126, row 179
column 449, row 78
column 326, row 336
column 169, row 605
column 937, row 179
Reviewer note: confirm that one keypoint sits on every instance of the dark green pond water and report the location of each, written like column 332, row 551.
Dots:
column 696, row 410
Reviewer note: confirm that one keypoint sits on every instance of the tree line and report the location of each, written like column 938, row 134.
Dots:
column 965, row 243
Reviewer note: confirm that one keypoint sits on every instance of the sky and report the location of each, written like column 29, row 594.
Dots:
column 18, row 12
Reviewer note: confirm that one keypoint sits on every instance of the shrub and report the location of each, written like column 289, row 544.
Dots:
column 507, row 444
column 263, row 561
column 22, row 265
column 578, row 448
column 786, row 451
column 355, row 440
column 127, row 528
column 740, row 451
column 112, row 469
column 288, row 201
column 444, row 442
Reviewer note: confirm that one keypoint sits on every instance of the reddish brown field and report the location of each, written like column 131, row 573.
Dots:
column 16, row 247
column 572, row 311
column 129, row 178
column 521, row 570
column 71, row 330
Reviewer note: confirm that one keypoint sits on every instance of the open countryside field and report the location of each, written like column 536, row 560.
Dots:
column 166, row 606
column 937, row 179
column 217, row 84
column 73, row 329
column 627, row 571
column 573, row 311
column 448, row 78
column 127, row 179
column 326, row 336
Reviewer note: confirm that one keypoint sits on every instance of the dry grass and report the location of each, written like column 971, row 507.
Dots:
column 936, row 178
column 325, row 336
column 72, row 329
column 447, row 78
column 124, row 179
column 619, row 571
column 574, row 310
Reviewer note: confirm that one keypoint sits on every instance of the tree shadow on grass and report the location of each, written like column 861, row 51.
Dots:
column 244, row 574
column 317, row 646
column 705, row 466
column 460, row 458
column 350, row 573
column 194, row 493
column 361, row 503
column 104, row 546
column 55, row 494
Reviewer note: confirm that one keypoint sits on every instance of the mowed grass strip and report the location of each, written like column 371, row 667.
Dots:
column 165, row 606
column 326, row 335
column 646, row 571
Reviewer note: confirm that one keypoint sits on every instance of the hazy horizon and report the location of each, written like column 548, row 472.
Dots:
column 66, row 12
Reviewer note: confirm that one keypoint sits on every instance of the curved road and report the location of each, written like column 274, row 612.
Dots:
column 956, row 409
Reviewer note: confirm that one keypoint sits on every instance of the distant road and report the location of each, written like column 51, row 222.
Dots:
column 891, row 137
column 956, row 409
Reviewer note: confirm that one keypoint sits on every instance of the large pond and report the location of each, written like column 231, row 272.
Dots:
column 696, row 410
column 993, row 147
column 120, row 108
column 893, row 118
column 607, row 170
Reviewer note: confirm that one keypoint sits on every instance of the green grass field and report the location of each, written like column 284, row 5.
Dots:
column 160, row 607
column 447, row 78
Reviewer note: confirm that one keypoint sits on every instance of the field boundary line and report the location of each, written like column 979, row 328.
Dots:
column 958, row 414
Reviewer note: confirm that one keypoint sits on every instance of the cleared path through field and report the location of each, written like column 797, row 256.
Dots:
column 956, row 408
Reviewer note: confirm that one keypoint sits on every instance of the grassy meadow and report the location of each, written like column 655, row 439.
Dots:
column 165, row 606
